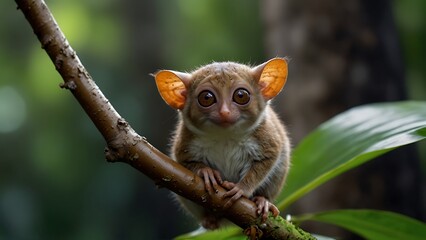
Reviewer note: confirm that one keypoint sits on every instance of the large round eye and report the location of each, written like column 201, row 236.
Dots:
column 241, row 96
column 206, row 98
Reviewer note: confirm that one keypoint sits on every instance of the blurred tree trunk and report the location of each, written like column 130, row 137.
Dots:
column 344, row 53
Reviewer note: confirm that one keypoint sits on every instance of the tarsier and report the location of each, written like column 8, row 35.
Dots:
column 227, row 132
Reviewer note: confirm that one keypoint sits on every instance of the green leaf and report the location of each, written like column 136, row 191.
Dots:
column 320, row 237
column 350, row 139
column 372, row 224
column 229, row 233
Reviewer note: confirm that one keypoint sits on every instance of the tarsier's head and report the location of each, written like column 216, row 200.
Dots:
column 222, row 95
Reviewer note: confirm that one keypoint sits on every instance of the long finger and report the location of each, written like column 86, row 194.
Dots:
column 217, row 176
column 275, row 211
column 228, row 185
column 260, row 205
column 211, row 174
column 265, row 210
column 207, row 183
column 233, row 199
column 231, row 192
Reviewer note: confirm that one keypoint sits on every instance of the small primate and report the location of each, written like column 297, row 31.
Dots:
column 227, row 132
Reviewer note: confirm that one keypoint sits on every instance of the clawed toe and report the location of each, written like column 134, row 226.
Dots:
column 264, row 207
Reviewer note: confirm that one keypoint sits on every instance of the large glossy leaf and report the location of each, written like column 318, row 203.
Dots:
column 350, row 139
column 372, row 224
column 230, row 233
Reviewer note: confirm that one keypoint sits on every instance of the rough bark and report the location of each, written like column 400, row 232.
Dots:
column 124, row 144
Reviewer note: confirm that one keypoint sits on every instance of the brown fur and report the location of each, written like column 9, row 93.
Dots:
column 253, row 152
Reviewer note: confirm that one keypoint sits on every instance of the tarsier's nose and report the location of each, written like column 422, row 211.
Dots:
column 226, row 115
column 224, row 111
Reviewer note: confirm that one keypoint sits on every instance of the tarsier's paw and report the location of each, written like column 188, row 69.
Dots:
column 264, row 206
column 212, row 179
column 234, row 193
column 210, row 222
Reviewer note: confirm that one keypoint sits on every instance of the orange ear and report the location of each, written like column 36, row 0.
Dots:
column 171, row 86
column 272, row 77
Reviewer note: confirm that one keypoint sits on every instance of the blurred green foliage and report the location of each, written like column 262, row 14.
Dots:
column 54, row 181
column 411, row 23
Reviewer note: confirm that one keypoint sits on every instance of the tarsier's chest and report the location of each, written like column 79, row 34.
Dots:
column 231, row 158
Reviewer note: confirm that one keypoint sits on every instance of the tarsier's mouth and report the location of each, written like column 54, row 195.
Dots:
column 225, row 124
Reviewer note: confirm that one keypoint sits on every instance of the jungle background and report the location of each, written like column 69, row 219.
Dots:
column 54, row 180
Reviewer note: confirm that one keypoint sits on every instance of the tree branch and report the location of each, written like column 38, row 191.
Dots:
column 124, row 144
